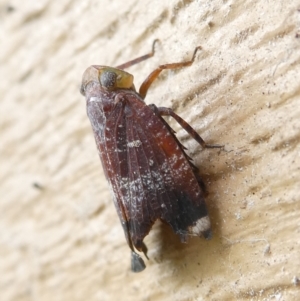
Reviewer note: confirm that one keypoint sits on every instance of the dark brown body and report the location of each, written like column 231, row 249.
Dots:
column 147, row 169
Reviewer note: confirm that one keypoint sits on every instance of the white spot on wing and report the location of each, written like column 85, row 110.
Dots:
column 96, row 99
column 202, row 225
column 135, row 143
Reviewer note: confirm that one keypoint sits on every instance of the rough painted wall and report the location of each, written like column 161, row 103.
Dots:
column 64, row 241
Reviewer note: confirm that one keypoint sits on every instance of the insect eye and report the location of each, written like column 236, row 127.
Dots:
column 108, row 79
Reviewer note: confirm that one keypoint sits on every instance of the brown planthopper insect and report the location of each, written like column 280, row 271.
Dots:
column 150, row 175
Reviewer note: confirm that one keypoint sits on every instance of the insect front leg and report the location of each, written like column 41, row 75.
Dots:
column 154, row 74
column 139, row 59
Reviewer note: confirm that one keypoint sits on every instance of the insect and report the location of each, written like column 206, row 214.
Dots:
column 150, row 175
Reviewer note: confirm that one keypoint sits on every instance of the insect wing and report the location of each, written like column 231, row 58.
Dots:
column 170, row 188
column 148, row 171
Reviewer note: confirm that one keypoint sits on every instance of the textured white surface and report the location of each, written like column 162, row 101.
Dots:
column 64, row 242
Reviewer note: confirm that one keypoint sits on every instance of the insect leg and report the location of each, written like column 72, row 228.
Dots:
column 139, row 59
column 137, row 263
column 169, row 112
column 154, row 74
